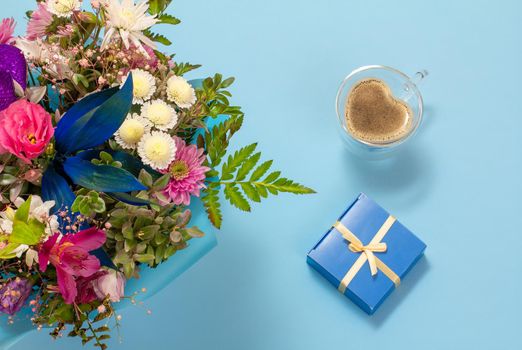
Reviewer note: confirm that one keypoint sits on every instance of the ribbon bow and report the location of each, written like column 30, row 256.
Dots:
column 355, row 245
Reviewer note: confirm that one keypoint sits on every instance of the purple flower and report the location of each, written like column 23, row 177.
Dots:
column 13, row 294
column 12, row 68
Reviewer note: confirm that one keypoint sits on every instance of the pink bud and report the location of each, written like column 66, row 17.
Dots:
column 33, row 175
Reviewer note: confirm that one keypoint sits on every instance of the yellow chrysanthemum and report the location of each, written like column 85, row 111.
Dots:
column 131, row 131
column 63, row 8
column 144, row 86
column 162, row 116
column 157, row 149
column 180, row 92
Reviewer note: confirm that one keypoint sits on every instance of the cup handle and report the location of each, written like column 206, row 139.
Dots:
column 419, row 77
column 414, row 81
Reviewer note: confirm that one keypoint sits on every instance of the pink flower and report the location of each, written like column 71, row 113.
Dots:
column 137, row 59
column 40, row 19
column 86, row 287
column 7, row 30
column 25, row 130
column 69, row 254
column 111, row 284
column 187, row 173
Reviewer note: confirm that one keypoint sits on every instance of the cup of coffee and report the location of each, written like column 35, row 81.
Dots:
column 379, row 108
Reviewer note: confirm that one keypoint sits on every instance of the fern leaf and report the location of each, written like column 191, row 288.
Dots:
column 287, row 185
column 168, row 19
column 251, row 192
column 247, row 166
column 157, row 37
column 261, row 189
column 212, row 206
column 235, row 160
column 235, row 197
column 272, row 177
column 261, row 170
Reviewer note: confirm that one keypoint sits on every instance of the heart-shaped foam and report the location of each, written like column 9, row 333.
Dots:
column 374, row 115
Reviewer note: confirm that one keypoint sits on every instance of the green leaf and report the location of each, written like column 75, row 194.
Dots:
column 157, row 37
column 251, row 192
column 286, row 185
column 7, row 251
column 145, row 178
column 234, row 161
column 168, row 19
column 261, row 170
column 227, row 82
column 247, row 166
column 211, row 203
column 272, row 177
column 194, row 231
column 25, row 230
column 235, row 197
column 79, row 78
column 7, row 179
column 144, row 258
column 181, row 68
column 218, row 138
column 27, row 233
column 157, row 6
column 22, row 214
column 161, row 183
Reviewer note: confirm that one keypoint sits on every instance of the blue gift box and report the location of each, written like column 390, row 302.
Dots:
column 364, row 232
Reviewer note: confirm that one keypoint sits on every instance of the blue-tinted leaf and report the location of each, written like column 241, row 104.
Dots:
column 128, row 162
column 78, row 110
column 55, row 188
column 129, row 199
column 94, row 119
column 102, row 178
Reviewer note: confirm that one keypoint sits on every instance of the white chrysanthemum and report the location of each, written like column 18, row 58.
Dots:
column 144, row 85
column 163, row 116
column 180, row 92
column 131, row 131
column 63, row 8
column 157, row 149
column 129, row 20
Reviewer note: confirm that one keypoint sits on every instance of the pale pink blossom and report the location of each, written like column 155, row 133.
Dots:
column 40, row 20
column 111, row 284
column 7, row 30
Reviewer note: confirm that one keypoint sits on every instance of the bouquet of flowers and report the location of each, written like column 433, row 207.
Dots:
column 103, row 145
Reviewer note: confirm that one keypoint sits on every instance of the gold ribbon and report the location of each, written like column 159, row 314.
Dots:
column 375, row 245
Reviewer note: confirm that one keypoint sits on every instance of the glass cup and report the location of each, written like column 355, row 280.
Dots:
column 402, row 87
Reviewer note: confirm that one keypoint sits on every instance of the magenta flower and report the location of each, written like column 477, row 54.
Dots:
column 187, row 173
column 40, row 20
column 6, row 30
column 69, row 254
column 86, row 287
column 25, row 130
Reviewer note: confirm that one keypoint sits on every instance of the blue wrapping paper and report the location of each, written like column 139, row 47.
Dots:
column 332, row 258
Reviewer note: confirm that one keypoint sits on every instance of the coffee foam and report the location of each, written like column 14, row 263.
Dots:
column 374, row 115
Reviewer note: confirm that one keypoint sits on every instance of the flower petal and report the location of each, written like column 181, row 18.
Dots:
column 67, row 286
column 89, row 239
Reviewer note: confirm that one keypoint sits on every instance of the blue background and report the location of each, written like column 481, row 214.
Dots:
column 457, row 185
